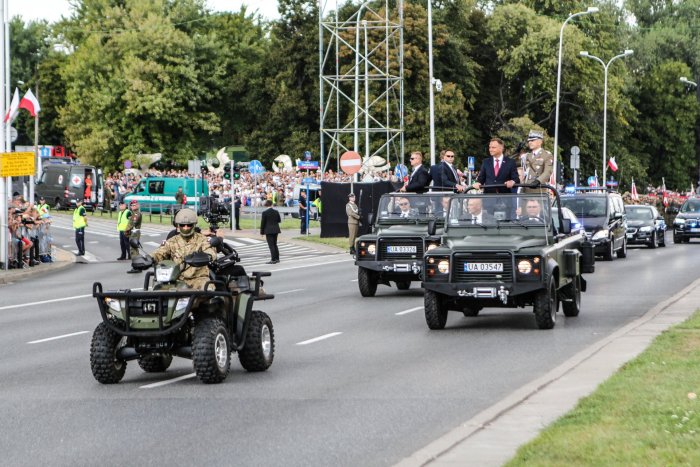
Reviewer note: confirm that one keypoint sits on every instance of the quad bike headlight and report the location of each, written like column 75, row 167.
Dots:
column 181, row 306
column 164, row 274
column 113, row 305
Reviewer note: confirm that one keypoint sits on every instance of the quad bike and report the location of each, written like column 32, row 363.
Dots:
column 169, row 319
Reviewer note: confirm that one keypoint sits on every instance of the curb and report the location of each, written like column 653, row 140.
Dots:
column 493, row 436
column 64, row 259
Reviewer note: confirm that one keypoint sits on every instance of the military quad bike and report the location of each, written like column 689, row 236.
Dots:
column 170, row 319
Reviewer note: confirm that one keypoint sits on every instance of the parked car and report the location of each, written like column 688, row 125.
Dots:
column 603, row 216
column 645, row 226
column 62, row 184
column 686, row 225
column 156, row 194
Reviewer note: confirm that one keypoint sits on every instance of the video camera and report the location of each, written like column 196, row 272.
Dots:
column 214, row 211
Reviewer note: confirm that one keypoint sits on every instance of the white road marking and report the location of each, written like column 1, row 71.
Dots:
column 170, row 381
column 288, row 291
column 410, row 310
column 155, row 244
column 9, row 307
column 58, row 337
column 296, row 267
column 66, row 246
column 354, row 280
column 319, row 338
column 94, row 241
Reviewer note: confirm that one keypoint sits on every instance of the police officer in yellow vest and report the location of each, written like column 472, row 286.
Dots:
column 79, row 224
column 122, row 224
column 539, row 163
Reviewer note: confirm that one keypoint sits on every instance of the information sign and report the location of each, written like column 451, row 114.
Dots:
column 255, row 167
column 17, row 164
column 471, row 162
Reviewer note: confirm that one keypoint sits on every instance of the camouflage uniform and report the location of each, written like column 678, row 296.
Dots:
column 133, row 230
column 538, row 166
column 178, row 247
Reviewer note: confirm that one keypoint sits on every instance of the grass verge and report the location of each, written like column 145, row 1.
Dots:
column 645, row 414
column 339, row 242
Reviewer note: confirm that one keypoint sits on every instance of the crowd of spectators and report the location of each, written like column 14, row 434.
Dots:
column 30, row 239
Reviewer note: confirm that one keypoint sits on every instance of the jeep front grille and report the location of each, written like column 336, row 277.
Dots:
column 483, row 257
column 384, row 255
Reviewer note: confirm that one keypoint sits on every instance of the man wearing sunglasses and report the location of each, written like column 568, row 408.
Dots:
column 419, row 179
column 189, row 241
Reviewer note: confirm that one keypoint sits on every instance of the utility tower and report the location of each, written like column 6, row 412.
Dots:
column 361, row 80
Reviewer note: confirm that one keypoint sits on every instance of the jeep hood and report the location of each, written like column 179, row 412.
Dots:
column 411, row 230
column 505, row 242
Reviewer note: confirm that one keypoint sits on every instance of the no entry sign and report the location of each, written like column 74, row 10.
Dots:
column 350, row 162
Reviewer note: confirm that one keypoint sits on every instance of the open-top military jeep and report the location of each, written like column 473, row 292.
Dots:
column 503, row 250
column 394, row 250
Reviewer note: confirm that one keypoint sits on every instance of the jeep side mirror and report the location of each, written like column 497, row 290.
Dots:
column 432, row 226
column 565, row 226
column 370, row 217
column 617, row 215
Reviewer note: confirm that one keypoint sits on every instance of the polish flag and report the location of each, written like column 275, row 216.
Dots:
column 612, row 164
column 635, row 195
column 30, row 103
column 664, row 200
column 14, row 108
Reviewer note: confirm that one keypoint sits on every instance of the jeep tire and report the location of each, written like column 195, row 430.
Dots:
column 259, row 349
column 211, row 350
column 106, row 367
column 367, row 281
column 435, row 310
column 155, row 363
column 546, row 305
column 572, row 306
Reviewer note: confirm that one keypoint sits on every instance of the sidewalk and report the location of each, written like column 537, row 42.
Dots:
column 62, row 260
column 492, row 437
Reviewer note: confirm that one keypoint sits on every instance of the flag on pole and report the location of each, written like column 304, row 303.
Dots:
column 635, row 195
column 14, row 108
column 665, row 194
column 612, row 164
column 596, row 179
column 30, row 103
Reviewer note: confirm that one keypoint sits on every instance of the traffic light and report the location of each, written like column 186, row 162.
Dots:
column 236, row 172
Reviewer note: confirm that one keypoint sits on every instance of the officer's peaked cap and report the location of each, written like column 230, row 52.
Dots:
column 534, row 134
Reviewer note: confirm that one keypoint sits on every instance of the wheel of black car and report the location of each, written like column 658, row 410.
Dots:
column 677, row 238
column 662, row 239
column 686, row 239
column 653, row 240
column 471, row 310
column 622, row 252
column 546, row 305
column 211, row 352
column 155, row 363
column 367, row 282
column 259, row 350
column 106, row 367
column 609, row 254
column 573, row 292
column 403, row 285
column 435, row 310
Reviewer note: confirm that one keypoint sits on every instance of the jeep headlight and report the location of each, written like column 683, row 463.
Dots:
column 372, row 249
column 524, row 266
column 181, row 306
column 646, row 228
column 601, row 234
column 431, row 246
column 443, row 267
column 437, row 268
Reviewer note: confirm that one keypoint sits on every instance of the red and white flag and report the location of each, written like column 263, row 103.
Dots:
column 612, row 164
column 30, row 103
column 664, row 201
column 14, row 108
column 635, row 195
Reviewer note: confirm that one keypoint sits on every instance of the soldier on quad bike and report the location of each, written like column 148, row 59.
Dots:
column 188, row 242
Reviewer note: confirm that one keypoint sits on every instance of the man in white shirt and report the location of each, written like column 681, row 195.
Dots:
column 478, row 215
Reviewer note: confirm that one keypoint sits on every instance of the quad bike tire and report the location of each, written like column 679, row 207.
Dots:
column 259, row 350
column 105, row 366
column 211, row 350
column 155, row 363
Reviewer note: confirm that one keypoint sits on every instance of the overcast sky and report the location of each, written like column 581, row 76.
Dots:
column 52, row 10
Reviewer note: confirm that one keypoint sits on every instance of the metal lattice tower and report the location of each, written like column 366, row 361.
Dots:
column 361, row 81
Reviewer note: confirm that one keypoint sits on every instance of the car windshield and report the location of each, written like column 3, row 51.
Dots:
column 502, row 210
column 411, row 207
column 639, row 213
column 692, row 205
column 586, row 207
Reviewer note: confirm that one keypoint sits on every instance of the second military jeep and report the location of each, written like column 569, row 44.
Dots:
column 394, row 250
column 503, row 250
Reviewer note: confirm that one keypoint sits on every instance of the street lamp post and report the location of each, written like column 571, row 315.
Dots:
column 686, row 81
column 590, row 10
column 626, row 53
column 430, row 79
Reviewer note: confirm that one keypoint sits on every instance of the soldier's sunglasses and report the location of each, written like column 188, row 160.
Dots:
column 187, row 225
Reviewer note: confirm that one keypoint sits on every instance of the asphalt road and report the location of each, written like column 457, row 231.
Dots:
column 355, row 381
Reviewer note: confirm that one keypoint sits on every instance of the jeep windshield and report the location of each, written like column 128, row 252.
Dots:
column 530, row 212
column 397, row 208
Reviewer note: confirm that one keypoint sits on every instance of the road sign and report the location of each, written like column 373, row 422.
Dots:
column 17, row 164
column 308, row 180
column 350, row 162
column 401, row 171
column 307, row 165
column 575, row 161
column 45, row 151
column 255, row 167
column 575, row 150
column 307, row 155
column 471, row 162
column 194, row 167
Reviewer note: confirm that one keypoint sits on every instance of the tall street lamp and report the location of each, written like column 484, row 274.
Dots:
column 626, row 53
column 686, row 81
column 590, row 10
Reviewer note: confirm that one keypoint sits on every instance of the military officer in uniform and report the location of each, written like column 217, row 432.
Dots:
column 133, row 230
column 353, row 213
column 539, row 163
column 188, row 242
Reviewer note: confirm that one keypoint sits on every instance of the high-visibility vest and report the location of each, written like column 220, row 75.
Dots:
column 123, row 220
column 42, row 209
column 78, row 219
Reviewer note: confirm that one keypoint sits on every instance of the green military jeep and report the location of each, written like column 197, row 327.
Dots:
column 504, row 250
column 394, row 250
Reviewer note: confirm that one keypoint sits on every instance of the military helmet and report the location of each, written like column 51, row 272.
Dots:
column 186, row 217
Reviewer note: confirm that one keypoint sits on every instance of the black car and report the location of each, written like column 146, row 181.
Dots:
column 603, row 216
column 686, row 225
column 645, row 226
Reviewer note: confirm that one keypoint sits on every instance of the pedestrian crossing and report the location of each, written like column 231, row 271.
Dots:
column 255, row 251
column 106, row 227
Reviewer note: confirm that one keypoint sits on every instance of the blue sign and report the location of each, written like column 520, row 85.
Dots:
column 307, row 155
column 611, row 183
column 44, row 151
column 255, row 167
column 307, row 165
column 308, row 180
column 570, row 189
column 401, row 171
column 471, row 162
column 591, row 181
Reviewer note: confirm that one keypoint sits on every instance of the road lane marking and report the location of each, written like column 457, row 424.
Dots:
column 298, row 267
column 354, row 280
column 288, row 291
column 170, row 381
column 319, row 338
column 58, row 337
column 410, row 310
column 9, row 307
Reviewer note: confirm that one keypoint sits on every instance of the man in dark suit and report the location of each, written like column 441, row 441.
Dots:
column 436, row 171
column 270, row 227
column 497, row 170
column 450, row 177
column 419, row 179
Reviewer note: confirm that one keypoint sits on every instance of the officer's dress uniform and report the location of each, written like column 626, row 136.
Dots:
column 353, row 213
column 134, row 230
column 539, row 166
column 177, row 248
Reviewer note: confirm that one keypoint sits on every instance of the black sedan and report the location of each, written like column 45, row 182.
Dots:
column 645, row 226
column 686, row 225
